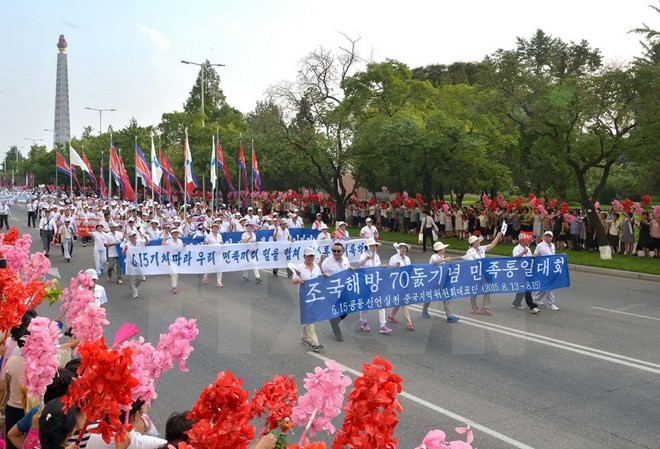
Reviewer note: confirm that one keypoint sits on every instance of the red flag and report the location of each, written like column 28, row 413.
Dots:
column 128, row 192
column 241, row 165
column 104, row 195
column 223, row 165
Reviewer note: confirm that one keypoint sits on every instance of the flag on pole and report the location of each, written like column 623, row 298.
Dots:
column 214, row 164
column 143, row 171
column 61, row 164
column 129, row 194
column 75, row 159
column 156, row 171
column 90, row 171
column 223, row 166
column 255, row 171
column 241, row 165
column 167, row 168
column 104, row 194
column 114, row 166
column 190, row 181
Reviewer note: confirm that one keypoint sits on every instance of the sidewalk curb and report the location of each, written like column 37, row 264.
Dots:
column 581, row 268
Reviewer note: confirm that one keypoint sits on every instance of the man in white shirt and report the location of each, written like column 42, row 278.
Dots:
column 100, row 251
column 67, row 233
column 250, row 237
column 152, row 231
column 371, row 259
column 369, row 231
column 282, row 234
column 214, row 238
column 338, row 262
column 111, row 239
column 522, row 250
column 133, row 242
column 296, row 222
column 100, row 297
column 46, row 229
column 32, row 214
column 546, row 248
column 4, row 214
column 174, row 244
column 479, row 252
column 316, row 226
column 401, row 259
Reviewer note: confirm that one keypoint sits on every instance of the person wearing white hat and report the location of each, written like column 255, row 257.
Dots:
column 174, row 244
column 282, row 235
column 152, row 231
column 214, row 238
column 296, row 222
column 324, row 235
column 523, row 250
column 369, row 231
column 546, row 248
column 304, row 272
column 331, row 265
column 318, row 222
column 66, row 233
column 133, row 242
column 479, row 252
column 401, row 259
column 341, row 233
column 370, row 259
column 100, row 297
column 111, row 239
column 437, row 258
column 100, row 252
column 250, row 237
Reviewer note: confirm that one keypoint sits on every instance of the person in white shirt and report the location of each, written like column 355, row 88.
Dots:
column 282, row 234
column 139, row 437
column 523, row 250
column 428, row 227
column 250, row 237
column 47, row 229
column 369, row 231
column 241, row 225
column 335, row 264
column 296, row 222
column 111, row 239
column 546, row 248
column 152, row 230
column 316, row 226
column 32, row 214
column 401, row 259
column 100, row 252
column 479, row 252
column 214, row 238
column 304, row 272
column 251, row 218
column 174, row 244
column 437, row 258
column 100, row 297
column 324, row 235
column 341, row 233
column 4, row 214
column 370, row 259
column 67, row 233
column 133, row 242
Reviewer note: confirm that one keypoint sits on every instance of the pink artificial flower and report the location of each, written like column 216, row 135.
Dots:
column 176, row 343
column 435, row 439
column 656, row 212
column 76, row 297
column 596, row 205
column 88, row 325
column 637, row 208
column 40, row 352
column 617, row 206
column 145, row 368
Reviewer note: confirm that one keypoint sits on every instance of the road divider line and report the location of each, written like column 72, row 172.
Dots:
column 442, row 411
column 560, row 344
column 626, row 313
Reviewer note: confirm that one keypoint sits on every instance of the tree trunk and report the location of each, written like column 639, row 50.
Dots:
column 601, row 235
column 459, row 198
column 340, row 208
column 427, row 189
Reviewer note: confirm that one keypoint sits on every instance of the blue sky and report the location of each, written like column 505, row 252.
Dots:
column 125, row 54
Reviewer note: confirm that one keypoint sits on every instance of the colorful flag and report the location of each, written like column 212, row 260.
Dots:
column 214, row 163
column 141, row 166
column 167, row 170
column 241, row 165
column 223, row 166
column 90, row 171
column 115, row 171
column 255, row 171
column 75, row 159
column 61, row 164
column 156, row 171
column 104, row 194
column 127, row 190
column 190, row 181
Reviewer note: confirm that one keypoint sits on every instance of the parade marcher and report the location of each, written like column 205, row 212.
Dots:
column 428, row 227
column 340, row 232
column 523, row 250
column 100, row 297
column 152, row 230
column 370, row 259
column 324, row 235
column 47, row 229
column 546, row 248
column 174, row 244
column 214, row 238
column 66, row 234
column 133, row 242
column 4, row 214
column 331, row 265
column 282, row 234
column 111, row 239
column 250, row 237
column 316, row 226
column 304, row 272
column 438, row 258
column 401, row 259
column 479, row 252
column 32, row 214
column 369, row 231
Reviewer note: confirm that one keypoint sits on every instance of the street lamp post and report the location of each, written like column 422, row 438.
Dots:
column 34, row 141
column 101, row 111
column 201, row 66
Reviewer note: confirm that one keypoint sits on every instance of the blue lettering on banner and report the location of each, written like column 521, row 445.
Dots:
column 376, row 288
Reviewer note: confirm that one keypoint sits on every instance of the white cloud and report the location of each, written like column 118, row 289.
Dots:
column 230, row 27
column 160, row 41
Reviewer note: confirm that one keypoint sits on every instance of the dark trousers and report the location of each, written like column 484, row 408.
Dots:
column 528, row 300
column 46, row 238
column 334, row 323
column 4, row 219
column 32, row 218
column 427, row 233
column 575, row 240
column 12, row 415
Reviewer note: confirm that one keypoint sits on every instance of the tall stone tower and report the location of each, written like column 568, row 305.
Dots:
column 62, row 127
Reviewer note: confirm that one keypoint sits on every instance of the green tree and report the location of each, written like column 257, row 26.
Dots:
column 214, row 97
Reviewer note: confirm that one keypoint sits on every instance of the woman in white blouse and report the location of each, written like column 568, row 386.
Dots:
column 401, row 259
column 479, row 252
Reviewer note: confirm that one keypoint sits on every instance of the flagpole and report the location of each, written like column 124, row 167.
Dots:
column 121, row 183
column 214, row 152
column 55, row 168
column 70, row 172
column 110, row 172
column 152, row 172
column 252, row 193
column 136, row 176
column 101, row 178
column 185, row 176
column 240, row 174
column 83, row 152
column 217, row 187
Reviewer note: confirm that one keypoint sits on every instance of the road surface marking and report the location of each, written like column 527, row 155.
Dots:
column 626, row 313
column 561, row 344
column 450, row 414
column 15, row 219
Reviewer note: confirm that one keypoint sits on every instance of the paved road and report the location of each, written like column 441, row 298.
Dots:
column 587, row 376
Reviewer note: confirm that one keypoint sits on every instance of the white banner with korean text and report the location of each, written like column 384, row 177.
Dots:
column 199, row 259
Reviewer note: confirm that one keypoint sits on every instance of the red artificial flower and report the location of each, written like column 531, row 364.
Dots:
column 11, row 236
column 519, row 202
column 371, row 410
column 311, row 445
column 627, row 205
column 103, row 388
column 563, row 208
column 278, row 396
column 223, row 415
column 552, row 202
column 372, row 201
column 646, row 200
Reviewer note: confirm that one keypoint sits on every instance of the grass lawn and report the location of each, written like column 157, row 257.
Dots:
column 589, row 258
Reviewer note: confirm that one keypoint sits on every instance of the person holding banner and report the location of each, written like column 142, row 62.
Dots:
column 214, row 238
column 522, row 250
column 174, row 244
column 546, row 248
column 371, row 259
column 335, row 264
column 282, row 234
column 133, row 242
column 100, row 252
column 340, row 232
column 479, row 252
column 250, row 237
column 401, row 259
column 304, row 272
column 369, row 231
column 111, row 239
column 438, row 258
